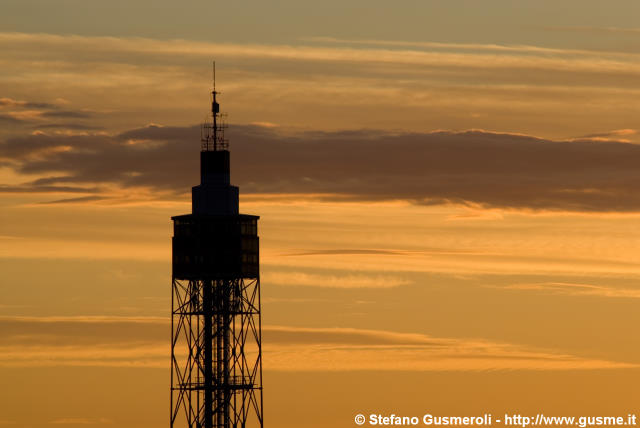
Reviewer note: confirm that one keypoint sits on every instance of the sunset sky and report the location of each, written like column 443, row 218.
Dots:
column 448, row 193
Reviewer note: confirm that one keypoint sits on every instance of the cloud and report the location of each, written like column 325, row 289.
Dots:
column 7, row 118
column 360, row 349
column 142, row 342
column 428, row 53
column 34, row 188
column 573, row 289
column 353, row 72
column 328, row 83
column 475, row 168
column 67, row 114
column 595, row 29
column 71, row 126
column 347, row 252
column 19, row 112
column 619, row 135
column 75, row 200
column 10, row 102
column 302, row 279
column 81, row 421
column 464, row 47
column 386, row 252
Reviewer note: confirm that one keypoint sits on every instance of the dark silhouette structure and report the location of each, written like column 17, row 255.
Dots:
column 216, row 352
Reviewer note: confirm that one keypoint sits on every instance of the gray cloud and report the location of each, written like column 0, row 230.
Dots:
column 18, row 112
column 472, row 167
column 71, row 126
column 67, row 114
column 9, row 119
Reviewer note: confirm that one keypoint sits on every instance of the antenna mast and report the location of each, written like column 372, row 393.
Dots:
column 213, row 128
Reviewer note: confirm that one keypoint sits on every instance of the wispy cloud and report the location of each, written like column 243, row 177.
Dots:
column 81, row 421
column 573, row 289
column 74, row 44
column 355, row 349
column 105, row 341
column 465, row 47
column 422, row 85
column 620, row 135
column 34, row 111
column 302, row 279
column 80, row 199
column 597, row 29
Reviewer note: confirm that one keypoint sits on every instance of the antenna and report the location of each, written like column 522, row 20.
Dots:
column 215, row 108
column 213, row 131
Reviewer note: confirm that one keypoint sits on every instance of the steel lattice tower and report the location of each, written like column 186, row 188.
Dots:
column 216, row 352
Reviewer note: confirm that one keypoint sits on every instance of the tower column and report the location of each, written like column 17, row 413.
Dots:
column 207, row 314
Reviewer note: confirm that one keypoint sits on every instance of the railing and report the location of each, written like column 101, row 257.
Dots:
column 235, row 382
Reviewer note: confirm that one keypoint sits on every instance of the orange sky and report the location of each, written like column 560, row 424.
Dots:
column 447, row 196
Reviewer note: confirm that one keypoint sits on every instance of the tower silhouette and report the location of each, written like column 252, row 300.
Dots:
column 216, row 339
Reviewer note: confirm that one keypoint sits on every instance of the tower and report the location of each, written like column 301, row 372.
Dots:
column 216, row 352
